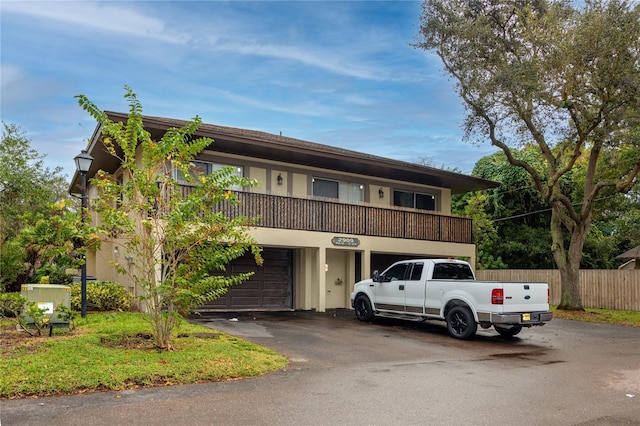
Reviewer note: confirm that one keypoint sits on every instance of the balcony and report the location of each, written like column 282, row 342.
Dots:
column 356, row 219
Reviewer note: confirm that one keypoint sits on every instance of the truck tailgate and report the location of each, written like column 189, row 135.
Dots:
column 525, row 297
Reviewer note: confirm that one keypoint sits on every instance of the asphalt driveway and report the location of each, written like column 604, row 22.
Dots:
column 343, row 372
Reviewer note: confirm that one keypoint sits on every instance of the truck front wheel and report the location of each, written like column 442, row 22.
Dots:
column 362, row 305
column 460, row 323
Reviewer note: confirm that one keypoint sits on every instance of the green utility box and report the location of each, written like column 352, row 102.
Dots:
column 49, row 297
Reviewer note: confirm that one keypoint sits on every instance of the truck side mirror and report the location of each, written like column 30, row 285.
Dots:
column 376, row 276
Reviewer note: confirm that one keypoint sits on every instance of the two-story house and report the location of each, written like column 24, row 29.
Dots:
column 328, row 216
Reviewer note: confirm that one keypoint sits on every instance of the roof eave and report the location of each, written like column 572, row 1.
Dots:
column 280, row 148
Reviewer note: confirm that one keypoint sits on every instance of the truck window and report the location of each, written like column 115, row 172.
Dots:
column 416, row 272
column 452, row 271
column 397, row 272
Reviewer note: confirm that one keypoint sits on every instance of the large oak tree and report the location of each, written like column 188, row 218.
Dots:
column 564, row 78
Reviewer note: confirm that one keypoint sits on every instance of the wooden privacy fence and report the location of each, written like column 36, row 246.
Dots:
column 601, row 288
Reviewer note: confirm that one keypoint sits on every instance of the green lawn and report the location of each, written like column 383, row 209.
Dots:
column 628, row 318
column 114, row 352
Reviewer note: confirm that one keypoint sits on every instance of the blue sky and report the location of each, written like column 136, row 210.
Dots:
column 340, row 73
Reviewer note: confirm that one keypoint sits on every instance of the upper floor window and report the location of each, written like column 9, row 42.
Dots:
column 204, row 168
column 345, row 191
column 414, row 200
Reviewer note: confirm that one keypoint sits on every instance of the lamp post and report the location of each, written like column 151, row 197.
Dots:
column 83, row 164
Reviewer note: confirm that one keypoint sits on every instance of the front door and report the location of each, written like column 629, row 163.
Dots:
column 336, row 276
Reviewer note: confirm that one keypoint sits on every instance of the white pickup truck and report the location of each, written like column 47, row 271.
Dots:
column 445, row 289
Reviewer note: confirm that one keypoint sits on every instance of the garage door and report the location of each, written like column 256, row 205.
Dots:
column 270, row 287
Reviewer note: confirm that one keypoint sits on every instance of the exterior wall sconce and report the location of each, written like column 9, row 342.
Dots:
column 380, row 193
column 280, row 179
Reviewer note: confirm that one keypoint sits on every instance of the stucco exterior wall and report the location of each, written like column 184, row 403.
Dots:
column 320, row 264
column 324, row 273
column 296, row 180
column 259, row 174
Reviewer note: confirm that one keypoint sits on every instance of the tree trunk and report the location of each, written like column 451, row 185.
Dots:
column 571, row 294
column 568, row 261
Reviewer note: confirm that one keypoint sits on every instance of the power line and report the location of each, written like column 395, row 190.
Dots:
column 545, row 210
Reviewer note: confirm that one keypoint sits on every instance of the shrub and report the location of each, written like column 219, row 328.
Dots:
column 102, row 296
column 11, row 304
column 52, row 274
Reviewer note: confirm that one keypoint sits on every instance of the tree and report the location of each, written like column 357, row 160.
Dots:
column 178, row 237
column 53, row 242
column 519, row 225
column 615, row 229
column 519, row 231
column 564, row 79
column 485, row 233
column 27, row 189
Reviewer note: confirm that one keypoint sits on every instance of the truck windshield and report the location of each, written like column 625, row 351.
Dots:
column 452, row 271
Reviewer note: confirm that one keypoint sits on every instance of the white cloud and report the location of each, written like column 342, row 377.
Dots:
column 323, row 60
column 312, row 109
column 110, row 17
column 121, row 19
column 9, row 74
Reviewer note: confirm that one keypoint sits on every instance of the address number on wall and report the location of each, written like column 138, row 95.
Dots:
column 345, row 242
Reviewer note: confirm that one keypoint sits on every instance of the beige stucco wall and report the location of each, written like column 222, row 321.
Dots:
column 320, row 264
column 324, row 273
column 279, row 189
column 297, row 180
column 259, row 174
column 445, row 201
column 374, row 195
column 299, row 185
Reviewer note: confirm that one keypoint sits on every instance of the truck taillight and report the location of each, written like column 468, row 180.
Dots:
column 548, row 295
column 497, row 296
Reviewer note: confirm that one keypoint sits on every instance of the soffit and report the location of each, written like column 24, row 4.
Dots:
column 262, row 145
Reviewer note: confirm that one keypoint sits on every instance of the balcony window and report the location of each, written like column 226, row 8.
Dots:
column 205, row 168
column 344, row 191
column 414, row 200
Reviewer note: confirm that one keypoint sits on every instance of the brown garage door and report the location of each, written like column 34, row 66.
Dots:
column 270, row 287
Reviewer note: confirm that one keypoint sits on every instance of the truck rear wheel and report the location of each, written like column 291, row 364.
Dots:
column 362, row 305
column 460, row 323
column 508, row 331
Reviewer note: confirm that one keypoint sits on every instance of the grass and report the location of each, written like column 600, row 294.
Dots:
column 617, row 317
column 115, row 352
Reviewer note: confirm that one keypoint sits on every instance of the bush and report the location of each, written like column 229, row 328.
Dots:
column 52, row 274
column 11, row 304
column 102, row 296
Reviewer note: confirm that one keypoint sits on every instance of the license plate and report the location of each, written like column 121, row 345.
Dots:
column 526, row 317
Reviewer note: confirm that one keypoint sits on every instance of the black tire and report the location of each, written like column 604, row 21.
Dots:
column 460, row 323
column 508, row 331
column 362, row 306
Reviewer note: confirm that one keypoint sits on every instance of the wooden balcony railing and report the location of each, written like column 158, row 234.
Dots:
column 323, row 215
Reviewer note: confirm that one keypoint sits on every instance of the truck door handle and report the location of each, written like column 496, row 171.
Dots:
column 401, row 287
